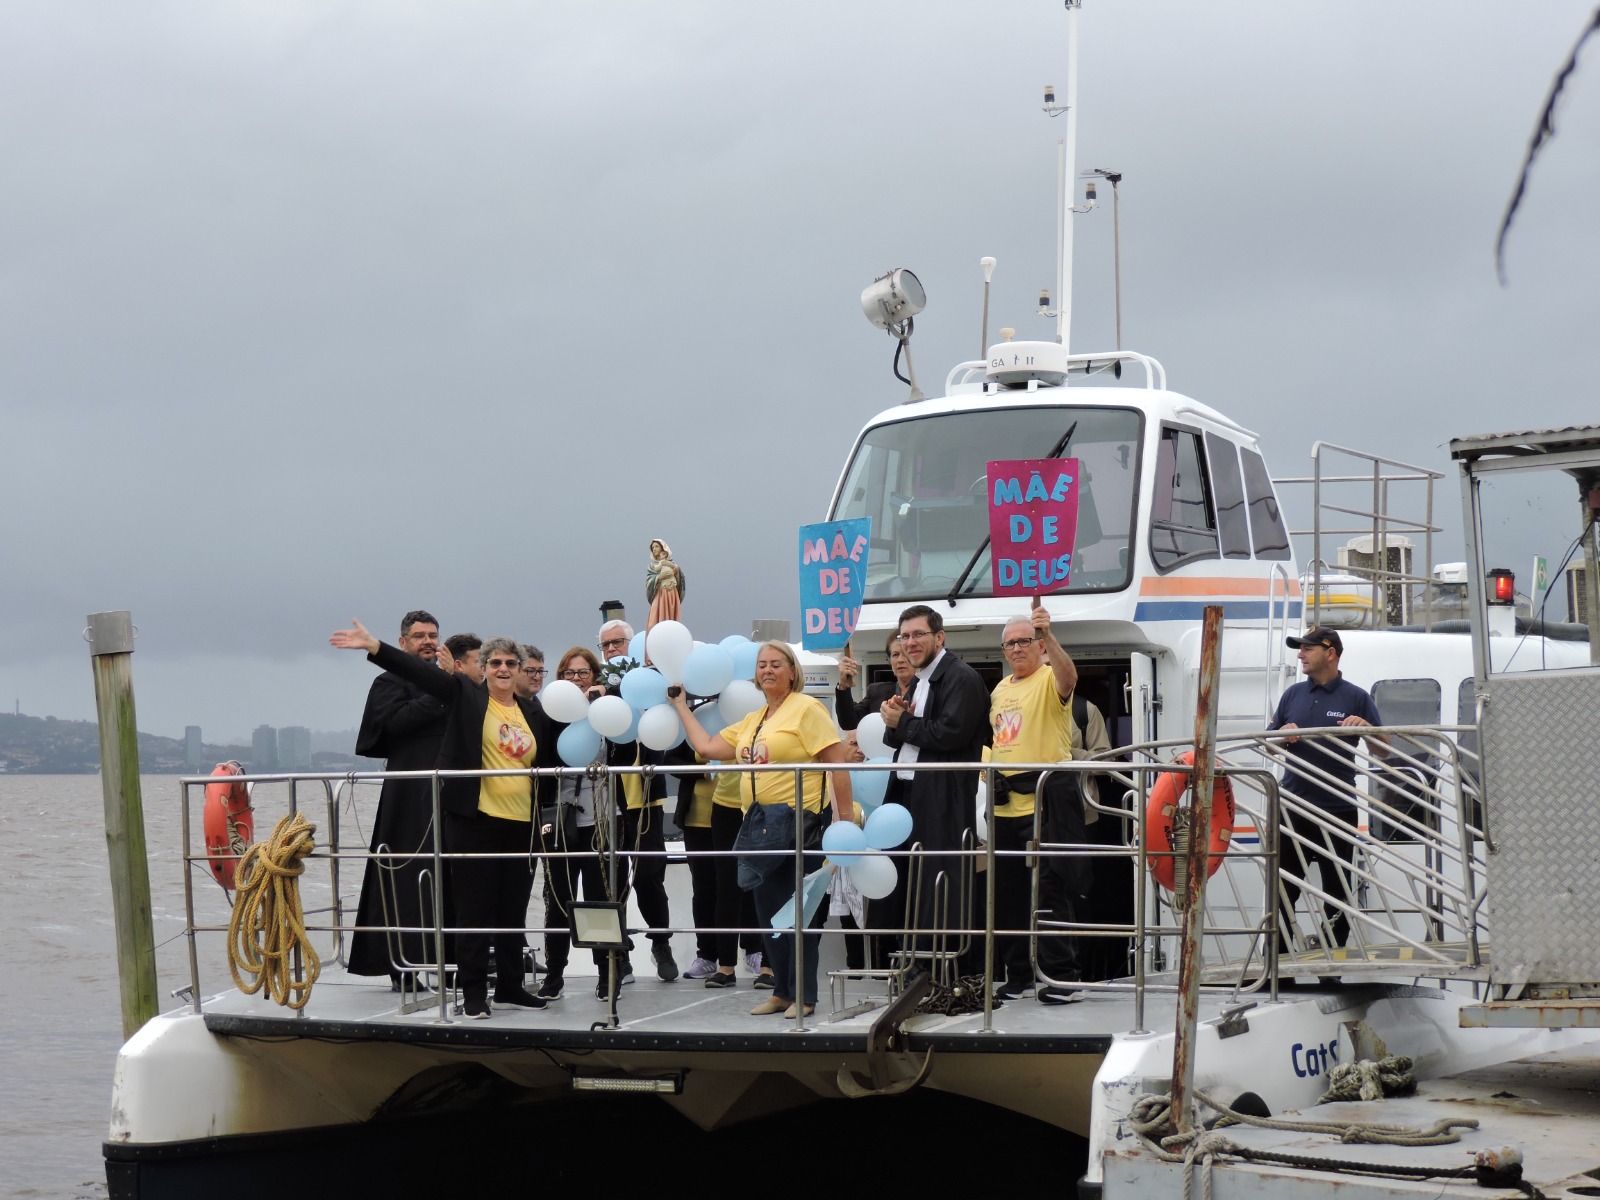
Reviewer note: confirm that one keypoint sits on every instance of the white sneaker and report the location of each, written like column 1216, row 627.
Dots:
column 700, row 968
column 753, row 962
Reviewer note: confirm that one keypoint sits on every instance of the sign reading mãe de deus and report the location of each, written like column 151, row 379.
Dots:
column 833, row 576
column 1033, row 521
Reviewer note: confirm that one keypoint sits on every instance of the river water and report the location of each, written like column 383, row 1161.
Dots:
column 60, row 1032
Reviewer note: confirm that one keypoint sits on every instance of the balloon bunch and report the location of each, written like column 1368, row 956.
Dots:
column 641, row 712
column 847, row 845
column 869, row 787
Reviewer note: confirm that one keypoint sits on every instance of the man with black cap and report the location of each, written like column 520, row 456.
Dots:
column 1325, row 699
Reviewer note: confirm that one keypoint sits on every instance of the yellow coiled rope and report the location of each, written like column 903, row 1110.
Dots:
column 267, row 925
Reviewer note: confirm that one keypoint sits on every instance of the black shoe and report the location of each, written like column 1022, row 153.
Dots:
column 550, row 989
column 1013, row 989
column 666, row 965
column 521, row 997
column 763, row 980
column 475, row 1008
column 1055, row 993
column 719, row 979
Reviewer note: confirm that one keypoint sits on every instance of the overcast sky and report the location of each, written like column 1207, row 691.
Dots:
column 320, row 310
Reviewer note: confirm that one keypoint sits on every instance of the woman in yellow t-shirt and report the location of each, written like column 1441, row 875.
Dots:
column 488, row 727
column 789, row 728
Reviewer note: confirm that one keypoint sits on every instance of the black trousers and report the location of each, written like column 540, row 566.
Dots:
column 702, row 889
column 491, row 898
column 735, row 909
column 1333, row 865
column 642, row 829
column 562, row 879
column 1013, row 900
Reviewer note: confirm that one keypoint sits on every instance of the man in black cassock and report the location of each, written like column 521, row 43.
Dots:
column 943, row 716
column 404, row 725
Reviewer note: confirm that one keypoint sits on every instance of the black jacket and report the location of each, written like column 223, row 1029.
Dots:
column 849, row 713
column 462, row 746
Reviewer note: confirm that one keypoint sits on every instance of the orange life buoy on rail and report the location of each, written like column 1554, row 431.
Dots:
column 1160, row 818
column 229, row 823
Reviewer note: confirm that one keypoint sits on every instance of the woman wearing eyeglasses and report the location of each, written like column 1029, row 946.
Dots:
column 844, row 700
column 487, row 727
column 790, row 728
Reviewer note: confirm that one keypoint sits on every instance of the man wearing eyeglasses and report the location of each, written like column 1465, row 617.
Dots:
column 404, row 725
column 1030, row 715
column 942, row 716
column 531, row 678
column 643, row 818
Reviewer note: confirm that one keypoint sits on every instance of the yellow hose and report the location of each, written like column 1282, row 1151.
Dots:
column 267, row 925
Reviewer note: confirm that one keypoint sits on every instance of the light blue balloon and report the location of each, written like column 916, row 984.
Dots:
column 711, row 719
column 744, row 660
column 842, row 837
column 733, row 641
column 578, row 744
column 888, row 827
column 643, row 687
column 636, row 647
column 707, row 670
column 869, row 787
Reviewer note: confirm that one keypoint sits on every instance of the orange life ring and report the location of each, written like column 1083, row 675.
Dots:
column 1160, row 818
column 229, row 824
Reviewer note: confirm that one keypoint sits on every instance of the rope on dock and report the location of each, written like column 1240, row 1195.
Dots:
column 267, row 925
column 1368, row 1080
column 1150, row 1118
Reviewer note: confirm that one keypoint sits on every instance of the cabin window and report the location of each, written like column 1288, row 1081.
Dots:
column 1266, row 522
column 924, row 482
column 1182, row 524
column 1233, row 525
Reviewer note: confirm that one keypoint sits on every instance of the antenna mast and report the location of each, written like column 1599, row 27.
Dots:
column 1069, row 169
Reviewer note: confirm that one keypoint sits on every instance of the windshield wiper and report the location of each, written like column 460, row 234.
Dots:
column 1057, row 452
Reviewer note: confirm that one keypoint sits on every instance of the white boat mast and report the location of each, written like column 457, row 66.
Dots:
column 1069, row 168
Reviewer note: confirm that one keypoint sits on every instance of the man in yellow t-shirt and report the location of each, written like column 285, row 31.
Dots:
column 1030, row 715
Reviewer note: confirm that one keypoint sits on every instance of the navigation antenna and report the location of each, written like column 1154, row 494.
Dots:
column 1067, row 169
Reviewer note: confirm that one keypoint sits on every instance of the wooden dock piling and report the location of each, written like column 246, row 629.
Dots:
column 110, row 647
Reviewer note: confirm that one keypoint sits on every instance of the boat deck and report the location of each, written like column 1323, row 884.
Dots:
column 684, row 1015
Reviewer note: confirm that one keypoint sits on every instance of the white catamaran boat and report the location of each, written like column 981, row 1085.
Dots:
column 1472, row 942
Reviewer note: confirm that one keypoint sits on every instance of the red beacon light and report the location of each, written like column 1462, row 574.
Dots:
column 1502, row 587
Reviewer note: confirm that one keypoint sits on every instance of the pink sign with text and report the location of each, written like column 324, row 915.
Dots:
column 1033, row 522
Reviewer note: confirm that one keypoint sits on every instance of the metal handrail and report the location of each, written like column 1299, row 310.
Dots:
column 1443, row 888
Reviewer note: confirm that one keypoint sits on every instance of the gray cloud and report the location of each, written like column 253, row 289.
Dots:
column 317, row 310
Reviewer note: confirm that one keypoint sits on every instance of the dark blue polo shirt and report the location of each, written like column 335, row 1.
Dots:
column 1319, row 706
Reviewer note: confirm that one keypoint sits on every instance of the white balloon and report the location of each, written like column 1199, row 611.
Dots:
column 739, row 699
column 564, row 701
column 869, row 736
column 874, row 876
column 659, row 727
column 668, row 643
column 981, row 825
column 610, row 715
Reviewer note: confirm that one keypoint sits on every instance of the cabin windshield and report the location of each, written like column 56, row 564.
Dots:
column 923, row 483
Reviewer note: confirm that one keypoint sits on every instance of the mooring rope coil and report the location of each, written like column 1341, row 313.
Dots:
column 267, row 925
column 1368, row 1080
column 1151, row 1116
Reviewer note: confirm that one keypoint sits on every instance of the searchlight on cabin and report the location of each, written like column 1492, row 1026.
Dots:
column 893, row 299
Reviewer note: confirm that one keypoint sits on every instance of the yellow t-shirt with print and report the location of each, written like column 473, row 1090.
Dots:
column 1031, row 724
column 508, row 744
column 799, row 731
column 726, row 794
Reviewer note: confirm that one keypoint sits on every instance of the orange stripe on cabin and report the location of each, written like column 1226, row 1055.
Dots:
column 1221, row 586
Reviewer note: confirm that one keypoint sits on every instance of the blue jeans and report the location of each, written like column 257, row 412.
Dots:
column 772, row 894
